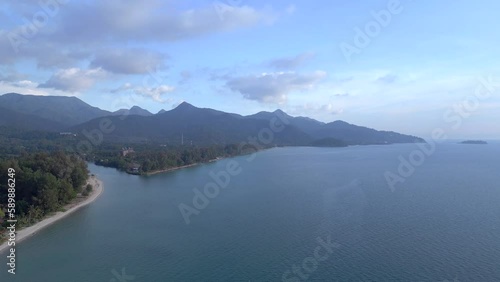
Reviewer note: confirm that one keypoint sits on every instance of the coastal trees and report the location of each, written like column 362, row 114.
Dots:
column 44, row 183
column 88, row 190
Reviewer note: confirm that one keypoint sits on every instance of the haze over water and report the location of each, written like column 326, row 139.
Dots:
column 442, row 223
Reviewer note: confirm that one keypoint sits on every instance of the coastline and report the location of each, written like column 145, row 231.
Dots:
column 170, row 169
column 182, row 167
column 29, row 231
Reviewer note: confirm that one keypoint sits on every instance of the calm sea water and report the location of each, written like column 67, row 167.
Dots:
column 442, row 223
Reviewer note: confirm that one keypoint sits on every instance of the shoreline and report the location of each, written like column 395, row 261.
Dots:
column 170, row 169
column 29, row 231
column 182, row 167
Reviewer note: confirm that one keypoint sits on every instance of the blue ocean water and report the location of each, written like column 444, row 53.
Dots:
column 287, row 214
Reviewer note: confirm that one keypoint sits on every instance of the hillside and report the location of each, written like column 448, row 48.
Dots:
column 190, row 124
column 341, row 130
column 68, row 111
column 186, row 124
column 20, row 121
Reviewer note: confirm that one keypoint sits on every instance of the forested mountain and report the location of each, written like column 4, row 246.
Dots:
column 188, row 124
column 349, row 133
column 359, row 135
column 185, row 124
column 308, row 125
column 68, row 111
column 10, row 118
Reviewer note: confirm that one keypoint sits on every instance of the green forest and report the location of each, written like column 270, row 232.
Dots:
column 150, row 158
column 146, row 157
column 44, row 183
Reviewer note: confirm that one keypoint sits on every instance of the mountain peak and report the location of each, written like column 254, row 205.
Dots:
column 340, row 122
column 135, row 110
column 185, row 106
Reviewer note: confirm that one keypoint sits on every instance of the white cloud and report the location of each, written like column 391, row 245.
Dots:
column 74, row 79
column 150, row 20
column 154, row 93
column 128, row 61
column 273, row 87
column 28, row 87
column 312, row 109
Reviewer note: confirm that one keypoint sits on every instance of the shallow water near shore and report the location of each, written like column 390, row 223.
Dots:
column 442, row 223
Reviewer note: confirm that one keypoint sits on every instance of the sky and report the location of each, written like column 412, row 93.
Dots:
column 408, row 66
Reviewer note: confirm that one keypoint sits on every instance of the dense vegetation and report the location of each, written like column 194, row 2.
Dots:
column 15, row 142
column 147, row 156
column 61, row 111
column 44, row 183
column 153, row 157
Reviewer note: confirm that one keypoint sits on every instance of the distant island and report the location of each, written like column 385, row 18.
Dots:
column 474, row 142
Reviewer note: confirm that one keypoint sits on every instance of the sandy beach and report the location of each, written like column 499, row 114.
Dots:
column 70, row 208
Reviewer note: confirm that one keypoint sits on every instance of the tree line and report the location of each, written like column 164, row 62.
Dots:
column 152, row 158
column 45, row 182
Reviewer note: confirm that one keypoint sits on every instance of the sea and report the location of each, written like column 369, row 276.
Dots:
column 401, row 212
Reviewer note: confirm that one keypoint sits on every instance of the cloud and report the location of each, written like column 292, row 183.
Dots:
column 125, row 87
column 25, row 84
column 7, row 54
column 128, row 61
column 150, row 20
column 74, row 79
column 388, row 79
column 273, row 87
column 310, row 109
column 291, row 62
column 27, row 87
column 45, row 53
column 12, row 76
column 69, row 37
column 154, row 93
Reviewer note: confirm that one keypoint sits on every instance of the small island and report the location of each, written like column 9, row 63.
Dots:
column 474, row 142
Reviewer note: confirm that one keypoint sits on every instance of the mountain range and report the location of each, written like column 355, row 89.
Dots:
column 186, row 124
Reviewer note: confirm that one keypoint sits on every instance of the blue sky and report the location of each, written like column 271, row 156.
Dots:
column 392, row 65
